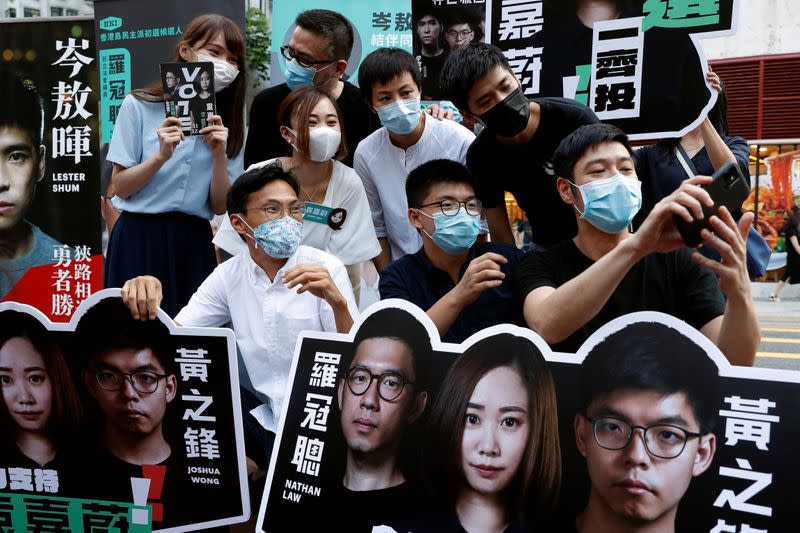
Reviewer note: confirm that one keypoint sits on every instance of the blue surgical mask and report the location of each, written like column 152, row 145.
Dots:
column 300, row 76
column 455, row 235
column 278, row 238
column 610, row 204
column 401, row 116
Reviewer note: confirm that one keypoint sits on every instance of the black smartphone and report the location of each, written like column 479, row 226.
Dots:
column 728, row 188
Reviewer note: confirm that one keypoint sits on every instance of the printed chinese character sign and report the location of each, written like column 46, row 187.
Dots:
column 434, row 420
column 637, row 63
column 49, row 197
column 134, row 36
column 133, row 424
column 440, row 27
column 376, row 23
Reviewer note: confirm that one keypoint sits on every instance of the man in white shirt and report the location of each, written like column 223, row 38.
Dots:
column 269, row 295
column 390, row 82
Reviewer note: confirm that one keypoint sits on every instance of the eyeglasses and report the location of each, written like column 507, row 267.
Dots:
column 276, row 211
column 661, row 440
column 143, row 381
column 463, row 34
column 450, row 208
column 287, row 53
column 390, row 384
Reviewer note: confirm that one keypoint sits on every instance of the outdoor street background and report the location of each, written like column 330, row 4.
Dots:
column 780, row 327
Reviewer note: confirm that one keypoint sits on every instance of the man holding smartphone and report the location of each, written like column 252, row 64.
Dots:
column 573, row 288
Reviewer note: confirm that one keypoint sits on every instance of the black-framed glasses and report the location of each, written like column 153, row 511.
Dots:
column 463, row 34
column 287, row 54
column 390, row 384
column 661, row 440
column 450, row 208
column 276, row 211
column 143, row 381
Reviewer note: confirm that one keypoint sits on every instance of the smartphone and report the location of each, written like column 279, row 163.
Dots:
column 728, row 188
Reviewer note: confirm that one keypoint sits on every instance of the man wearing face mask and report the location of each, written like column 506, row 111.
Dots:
column 317, row 54
column 269, row 295
column 575, row 287
column 390, row 81
column 515, row 151
column 464, row 286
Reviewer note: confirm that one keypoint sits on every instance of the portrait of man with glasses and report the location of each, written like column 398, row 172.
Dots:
column 463, row 284
column 382, row 392
column 645, row 428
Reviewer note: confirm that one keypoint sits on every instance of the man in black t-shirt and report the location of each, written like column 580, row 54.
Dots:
column 514, row 152
column 573, row 288
column 316, row 54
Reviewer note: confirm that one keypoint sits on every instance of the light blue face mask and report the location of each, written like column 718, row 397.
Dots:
column 401, row 116
column 278, row 238
column 300, row 76
column 610, row 204
column 455, row 235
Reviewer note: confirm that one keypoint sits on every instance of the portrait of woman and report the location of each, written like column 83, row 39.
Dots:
column 493, row 451
column 40, row 406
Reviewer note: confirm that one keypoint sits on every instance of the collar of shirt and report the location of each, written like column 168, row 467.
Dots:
column 257, row 276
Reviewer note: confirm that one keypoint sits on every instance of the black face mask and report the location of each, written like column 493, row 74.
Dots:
column 509, row 116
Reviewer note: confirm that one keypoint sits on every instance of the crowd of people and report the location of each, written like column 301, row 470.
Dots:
column 339, row 175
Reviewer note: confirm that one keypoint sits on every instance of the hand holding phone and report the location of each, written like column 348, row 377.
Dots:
column 727, row 188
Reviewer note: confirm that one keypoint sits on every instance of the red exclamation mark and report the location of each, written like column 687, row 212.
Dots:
column 155, row 473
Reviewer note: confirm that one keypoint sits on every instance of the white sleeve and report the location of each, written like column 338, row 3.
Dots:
column 465, row 138
column 125, row 148
column 356, row 240
column 361, row 167
column 208, row 307
column 342, row 281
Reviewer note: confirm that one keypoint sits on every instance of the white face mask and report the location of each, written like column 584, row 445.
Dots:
column 224, row 72
column 323, row 142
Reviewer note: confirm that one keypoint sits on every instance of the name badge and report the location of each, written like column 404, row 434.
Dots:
column 322, row 214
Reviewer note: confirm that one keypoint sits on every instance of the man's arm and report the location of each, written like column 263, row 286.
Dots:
column 556, row 313
column 317, row 279
column 499, row 228
column 384, row 258
column 736, row 333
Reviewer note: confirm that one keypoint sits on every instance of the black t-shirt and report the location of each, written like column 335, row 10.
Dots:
column 671, row 283
column 430, row 67
column 264, row 139
column 526, row 171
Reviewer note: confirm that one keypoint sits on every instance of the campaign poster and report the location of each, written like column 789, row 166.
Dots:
column 110, row 422
column 135, row 36
column 50, row 254
column 376, row 24
column 638, row 64
column 440, row 28
column 376, row 438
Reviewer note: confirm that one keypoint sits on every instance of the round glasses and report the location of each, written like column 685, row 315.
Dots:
column 661, row 440
column 287, row 54
column 143, row 381
column 450, row 208
column 463, row 34
column 390, row 384
column 275, row 211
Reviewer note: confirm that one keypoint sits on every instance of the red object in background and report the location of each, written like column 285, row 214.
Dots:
column 58, row 297
column 156, row 474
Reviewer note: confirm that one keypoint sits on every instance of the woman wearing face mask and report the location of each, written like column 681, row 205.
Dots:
column 167, row 185
column 311, row 124
column 493, row 455
column 40, row 406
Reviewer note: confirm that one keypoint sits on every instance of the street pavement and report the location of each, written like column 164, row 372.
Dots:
column 780, row 327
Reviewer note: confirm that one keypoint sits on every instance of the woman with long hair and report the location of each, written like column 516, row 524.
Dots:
column 40, row 407
column 167, row 185
column 493, row 449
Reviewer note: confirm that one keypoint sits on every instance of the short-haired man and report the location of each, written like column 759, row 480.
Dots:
column 430, row 36
column 317, row 54
column 269, row 295
column 128, row 372
column 391, row 83
column 22, row 165
column 573, row 288
column 645, row 427
column 381, row 393
column 462, row 285
column 515, row 151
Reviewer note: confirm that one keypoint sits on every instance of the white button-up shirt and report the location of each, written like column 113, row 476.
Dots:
column 267, row 318
column 383, row 167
